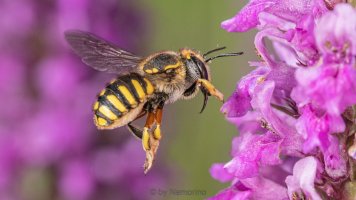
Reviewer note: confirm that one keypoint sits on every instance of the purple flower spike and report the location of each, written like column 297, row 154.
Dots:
column 297, row 109
column 76, row 180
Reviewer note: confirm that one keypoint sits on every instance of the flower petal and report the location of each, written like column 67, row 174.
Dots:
column 335, row 164
column 304, row 173
column 247, row 18
column 336, row 31
column 219, row 173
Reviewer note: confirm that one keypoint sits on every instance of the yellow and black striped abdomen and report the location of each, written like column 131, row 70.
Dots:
column 121, row 101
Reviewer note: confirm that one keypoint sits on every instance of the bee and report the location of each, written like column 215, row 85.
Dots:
column 144, row 84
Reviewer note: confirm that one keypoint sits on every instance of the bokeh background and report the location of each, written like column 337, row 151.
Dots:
column 49, row 146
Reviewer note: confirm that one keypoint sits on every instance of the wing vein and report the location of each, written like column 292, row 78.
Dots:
column 100, row 54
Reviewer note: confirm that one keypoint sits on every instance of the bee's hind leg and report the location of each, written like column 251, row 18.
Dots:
column 145, row 134
column 149, row 142
column 137, row 132
column 154, row 138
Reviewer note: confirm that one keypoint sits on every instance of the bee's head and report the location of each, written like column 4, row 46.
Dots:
column 197, row 68
column 195, row 61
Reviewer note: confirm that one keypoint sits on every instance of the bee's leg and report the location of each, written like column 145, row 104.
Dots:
column 155, row 137
column 145, row 135
column 154, row 116
column 150, row 144
column 211, row 89
column 137, row 132
column 157, row 132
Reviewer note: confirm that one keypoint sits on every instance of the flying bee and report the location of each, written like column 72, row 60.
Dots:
column 144, row 85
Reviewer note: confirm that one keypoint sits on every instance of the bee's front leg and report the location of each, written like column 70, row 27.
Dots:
column 211, row 89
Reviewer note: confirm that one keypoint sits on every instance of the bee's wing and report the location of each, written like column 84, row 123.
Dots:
column 100, row 54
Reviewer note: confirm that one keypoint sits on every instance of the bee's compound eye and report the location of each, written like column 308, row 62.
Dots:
column 168, row 71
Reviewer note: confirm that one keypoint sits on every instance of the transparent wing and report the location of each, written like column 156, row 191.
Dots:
column 100, row 54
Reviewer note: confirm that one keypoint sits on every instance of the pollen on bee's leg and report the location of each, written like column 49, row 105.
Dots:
column 158, row 116
column 157, row 132
column 146, row 139
column 146, row 135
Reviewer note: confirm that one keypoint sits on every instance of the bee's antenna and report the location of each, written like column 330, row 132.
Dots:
column 213, row 50
column 224, row 55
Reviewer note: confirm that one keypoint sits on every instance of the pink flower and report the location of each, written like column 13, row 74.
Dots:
column 297, row 105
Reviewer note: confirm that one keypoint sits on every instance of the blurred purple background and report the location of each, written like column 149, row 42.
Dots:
column 49, row 147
